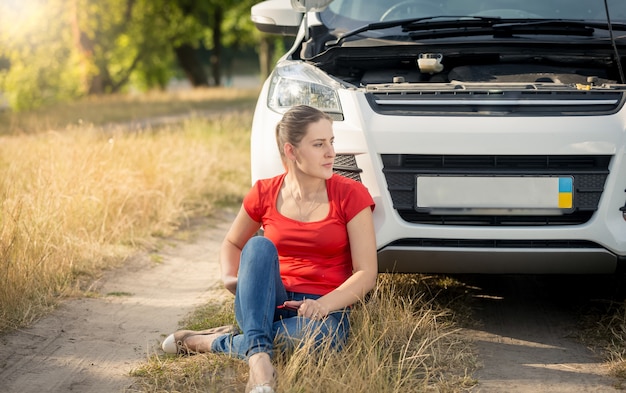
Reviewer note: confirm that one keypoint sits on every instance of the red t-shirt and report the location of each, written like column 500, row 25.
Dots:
column 314, row 256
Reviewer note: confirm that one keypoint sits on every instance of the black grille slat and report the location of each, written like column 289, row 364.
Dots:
column 463, row 162
column 481, row 220
column 494, row 243
column 589, row 173
column 346, row 166
column 548, row 101
column 345, row 160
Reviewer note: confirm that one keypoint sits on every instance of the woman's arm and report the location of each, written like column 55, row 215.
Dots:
column 365, row 270
column 241, row 230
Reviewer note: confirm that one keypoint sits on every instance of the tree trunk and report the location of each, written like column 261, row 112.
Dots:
column 266, row 55
column 216, row 53
column 95, row 77
column 84, row 47
column 192, row 66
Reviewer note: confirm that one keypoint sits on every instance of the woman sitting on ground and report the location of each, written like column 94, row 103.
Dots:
column 317, row 256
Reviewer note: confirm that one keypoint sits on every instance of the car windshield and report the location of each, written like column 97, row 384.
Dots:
column 345, row 15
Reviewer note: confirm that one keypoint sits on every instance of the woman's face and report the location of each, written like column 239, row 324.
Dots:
column 316, row 154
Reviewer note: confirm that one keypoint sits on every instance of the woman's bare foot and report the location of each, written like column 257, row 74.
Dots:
column 262, row 374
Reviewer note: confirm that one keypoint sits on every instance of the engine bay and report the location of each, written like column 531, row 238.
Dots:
column 492, row 68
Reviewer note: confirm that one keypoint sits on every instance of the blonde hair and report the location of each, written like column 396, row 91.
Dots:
column 294, row 125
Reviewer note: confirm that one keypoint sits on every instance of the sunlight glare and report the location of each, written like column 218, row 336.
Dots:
column 19, row 16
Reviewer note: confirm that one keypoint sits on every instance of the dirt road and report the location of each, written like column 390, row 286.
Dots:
column 525, row 339
column 90, row 345
column 528, row 334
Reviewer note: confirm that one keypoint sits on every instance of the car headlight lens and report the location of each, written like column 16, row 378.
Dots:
column 297, row 83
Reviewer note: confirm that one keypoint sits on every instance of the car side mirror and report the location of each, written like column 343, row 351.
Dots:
column 276, row 17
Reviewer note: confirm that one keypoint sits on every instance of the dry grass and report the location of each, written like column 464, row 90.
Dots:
column 615, row 349
column 77, row 201
column 401, row 340
column 604, row 329
column 113, row 109
column 603, row 322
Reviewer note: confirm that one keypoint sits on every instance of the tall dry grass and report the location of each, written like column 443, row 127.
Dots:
column 402, row 341
column 74, row 202
column 605, row 330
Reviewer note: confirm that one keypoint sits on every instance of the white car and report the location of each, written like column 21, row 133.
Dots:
column 491, row 133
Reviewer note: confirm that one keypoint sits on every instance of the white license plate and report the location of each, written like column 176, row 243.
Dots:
column 494, row 192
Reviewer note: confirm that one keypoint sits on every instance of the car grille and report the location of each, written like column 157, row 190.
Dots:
column 481, row 102
column 345, row 165
column 589, row 174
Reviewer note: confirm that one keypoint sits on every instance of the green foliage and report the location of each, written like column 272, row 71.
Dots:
column 123, row 38
column 55, row 50
column 238, row 29
column 35, row 44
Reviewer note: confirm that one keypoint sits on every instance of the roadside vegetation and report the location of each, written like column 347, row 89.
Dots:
column 129, row 110
column 604, row 328
column 611, row 334
column 81, row 198
column 57, row 50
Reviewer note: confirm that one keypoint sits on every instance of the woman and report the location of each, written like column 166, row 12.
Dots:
column 317, row 256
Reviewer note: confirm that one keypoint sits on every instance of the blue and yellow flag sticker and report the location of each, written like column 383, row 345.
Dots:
column 566, row 193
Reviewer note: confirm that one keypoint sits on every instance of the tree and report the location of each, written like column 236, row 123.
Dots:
column 188, row 20
column 115, row 38
column 52, row 50
column 241, row 33
column 210, row 15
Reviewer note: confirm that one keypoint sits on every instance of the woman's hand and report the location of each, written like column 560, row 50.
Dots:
column 309, row 308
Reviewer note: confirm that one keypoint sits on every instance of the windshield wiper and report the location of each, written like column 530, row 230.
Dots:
column 563, row 23
column 550, row 27
column 454, row 26
column 506, row 28
column 407, row 24
column 501, row 29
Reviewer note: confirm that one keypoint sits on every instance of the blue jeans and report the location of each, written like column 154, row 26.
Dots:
column 259, row 290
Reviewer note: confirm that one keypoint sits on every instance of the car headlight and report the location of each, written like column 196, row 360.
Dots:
column 297, row 83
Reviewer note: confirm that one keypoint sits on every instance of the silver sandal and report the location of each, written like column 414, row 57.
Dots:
column 175, row 343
